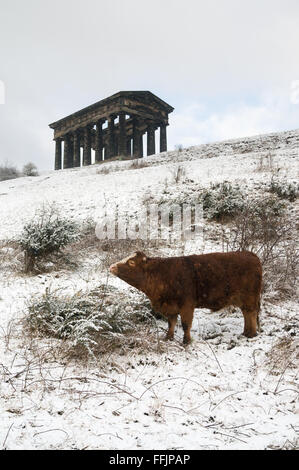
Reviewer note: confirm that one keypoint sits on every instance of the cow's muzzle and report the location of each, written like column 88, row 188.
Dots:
column 113, row 269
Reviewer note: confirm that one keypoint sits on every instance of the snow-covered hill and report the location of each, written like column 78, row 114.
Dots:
column 217, row 393
column 80, row 192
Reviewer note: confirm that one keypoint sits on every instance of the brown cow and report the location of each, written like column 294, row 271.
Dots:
column 180, row 284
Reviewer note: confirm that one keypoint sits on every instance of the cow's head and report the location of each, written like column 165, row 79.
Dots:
column 131, row 269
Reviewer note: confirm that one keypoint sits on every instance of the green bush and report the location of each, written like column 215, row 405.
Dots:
column 284, row 189
column 46, row 233
column 222, row 201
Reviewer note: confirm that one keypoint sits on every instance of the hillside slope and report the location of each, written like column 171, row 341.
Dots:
column 222, row 392
column 81, row 191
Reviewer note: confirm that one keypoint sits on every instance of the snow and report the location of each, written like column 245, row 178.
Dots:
column 217, row 393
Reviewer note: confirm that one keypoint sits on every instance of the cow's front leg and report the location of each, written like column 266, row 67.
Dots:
column 172, row 319
column 187, row 317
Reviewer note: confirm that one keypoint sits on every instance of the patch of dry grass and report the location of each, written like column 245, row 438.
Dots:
column 283, row 354
column 11, row 256
column 92, row 323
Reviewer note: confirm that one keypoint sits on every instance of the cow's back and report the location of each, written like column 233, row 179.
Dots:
column 223, row 279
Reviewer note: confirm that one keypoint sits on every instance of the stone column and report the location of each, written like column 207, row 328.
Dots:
column 58, row 153
column 76, row 148
column 116, row 144
column 87, row 146
column 71, row 152
column 141, row 145
column 122, row 140
column 151, row 146
column 99, row 141
column 163, row 138
column 67, row 152
column 66, row 149
column 136, row 139
column 111, row 143
column 129, row 152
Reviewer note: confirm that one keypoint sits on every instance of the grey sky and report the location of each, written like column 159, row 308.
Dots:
column 226, row 66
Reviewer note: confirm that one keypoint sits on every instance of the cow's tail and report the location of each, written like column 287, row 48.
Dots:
column 258, row 315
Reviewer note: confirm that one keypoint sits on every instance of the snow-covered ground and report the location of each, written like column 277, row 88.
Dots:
column 218, row 393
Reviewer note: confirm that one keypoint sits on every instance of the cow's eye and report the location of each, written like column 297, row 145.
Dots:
column 131, row 262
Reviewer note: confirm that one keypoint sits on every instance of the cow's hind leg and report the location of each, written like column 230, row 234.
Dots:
column 172, row 319
column 187, row 317
column 250, row 322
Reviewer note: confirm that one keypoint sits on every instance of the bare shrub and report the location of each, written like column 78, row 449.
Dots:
column 259, row 224
column 265, row 227
column 266, row 163
column 8, row 172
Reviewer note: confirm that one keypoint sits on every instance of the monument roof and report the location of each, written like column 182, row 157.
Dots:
column 145, row 97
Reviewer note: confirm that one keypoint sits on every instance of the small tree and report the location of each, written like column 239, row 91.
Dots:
column 30, row 169
column 179, row 148
column 46, row 233
column 178, row 173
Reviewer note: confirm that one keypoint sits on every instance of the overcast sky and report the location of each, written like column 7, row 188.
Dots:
column 227, row 67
